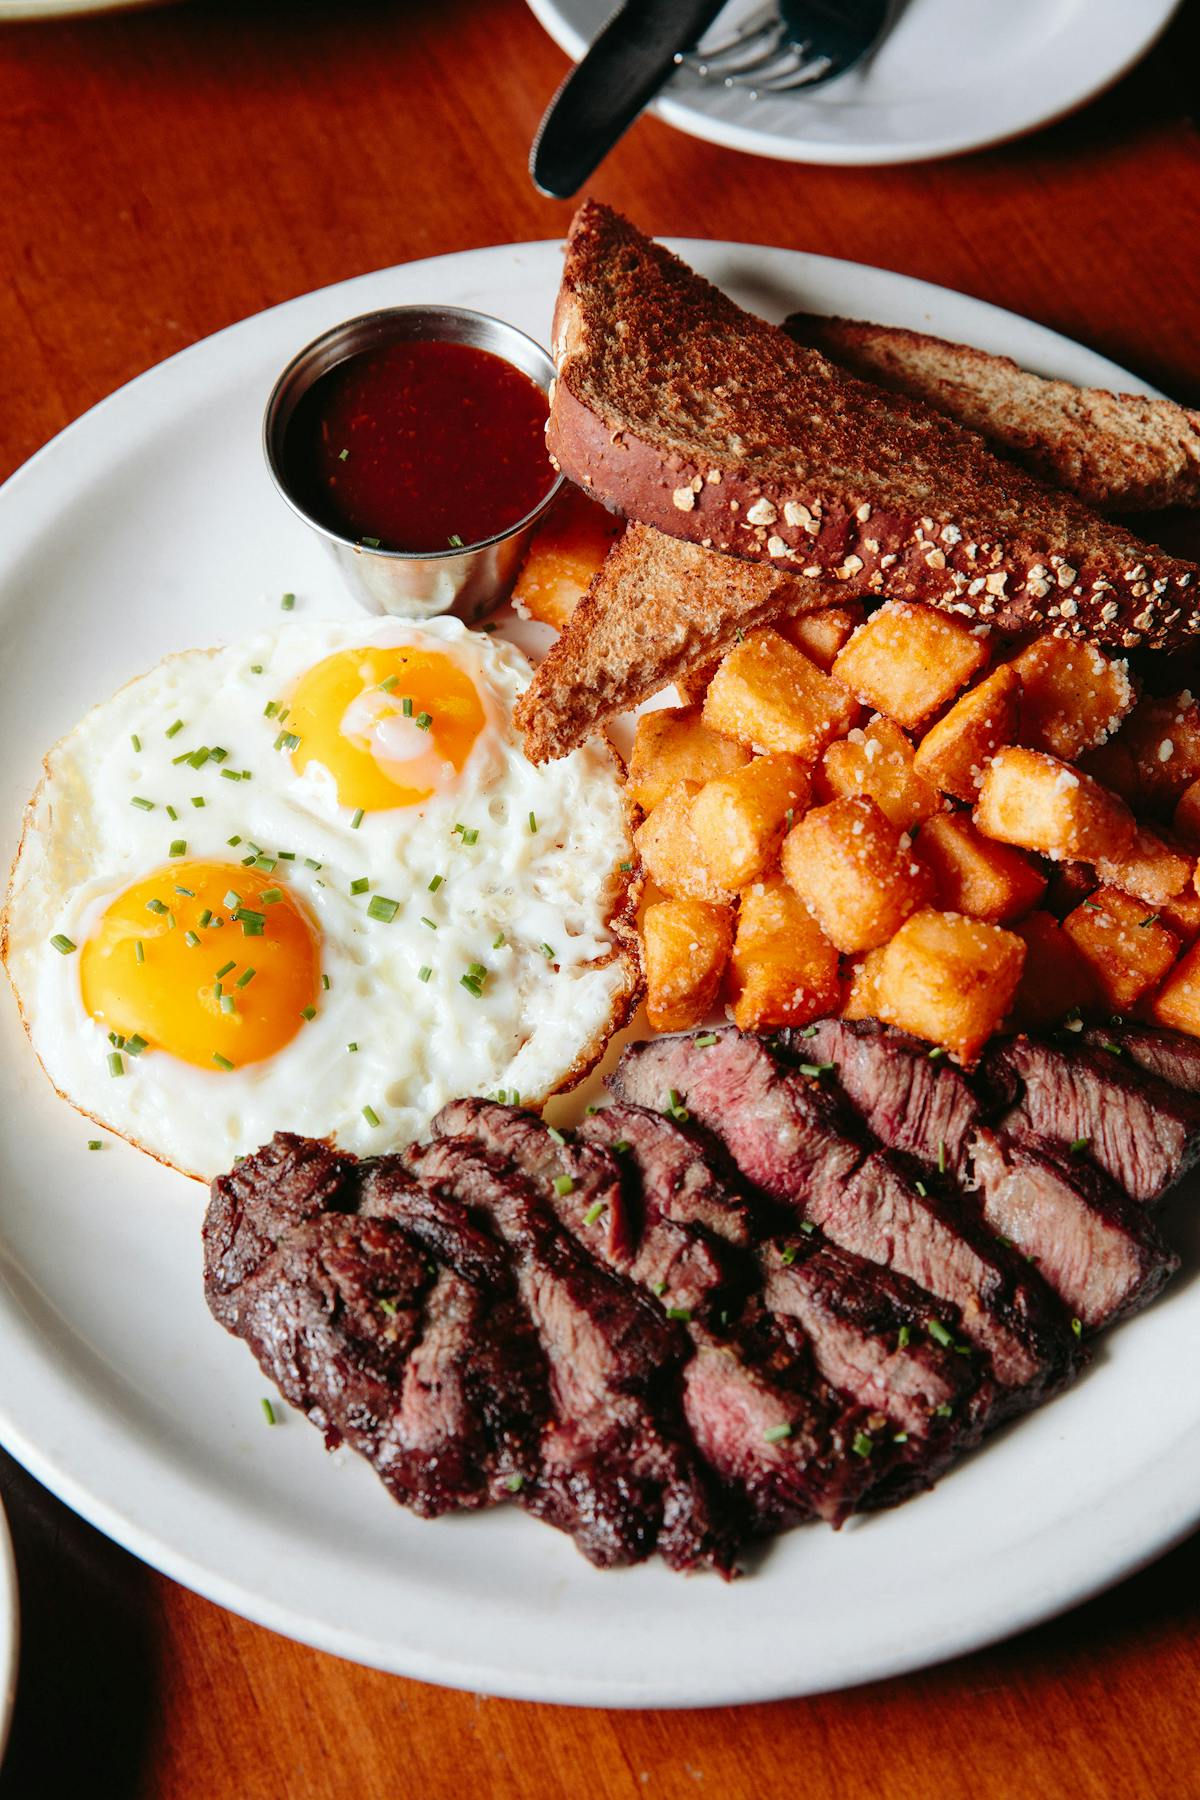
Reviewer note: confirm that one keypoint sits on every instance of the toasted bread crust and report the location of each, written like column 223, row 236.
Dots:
column 1116, row 452
column 684, row 412
column 658, row 608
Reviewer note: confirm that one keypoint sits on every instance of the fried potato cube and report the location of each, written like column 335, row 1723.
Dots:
column 567, row 550
column 855, row 871
column 685, row 947
column 1186, row 819
column 670, row 852
column 859, row 997
column 673, row 744
column 784, row 969
column 1177, row 1002
column 821, row 634
column 958, row 747
column 1073, row 696
column 740, row 819
column 1152, row 869
column 908, row 660
column 877, row 759
column 949, row 979
column 692, row 685
column 1032, row 799
column 1182, row 915
column 1056, row 980
column 1128, row 948
column 975, row 875
column 1156, row 753
column 770, row 697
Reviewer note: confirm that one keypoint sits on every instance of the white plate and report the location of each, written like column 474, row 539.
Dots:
column 149, row 525
column 9, row 1631
column 66, row 9
column 950, row 75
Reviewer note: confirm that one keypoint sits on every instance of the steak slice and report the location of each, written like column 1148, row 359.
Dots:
column 616, row 1471
column 1141, row 1131
column 435, row 1378
column 1096, row 1248
column 791, row 1139
column 1170, row 1055
column 910, row 1103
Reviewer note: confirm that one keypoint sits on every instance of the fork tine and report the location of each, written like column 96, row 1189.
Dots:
column 748, row 53
column 765, row 19
column 810, row 74
column 789, row 59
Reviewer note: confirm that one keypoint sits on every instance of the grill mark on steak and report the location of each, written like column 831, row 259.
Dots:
column 1096, row 1248
column 1141, row 1131
column 1174, row 1058
column 616, row 1471
column 789, row 1137
column 926, row 1109
column 288, row 1180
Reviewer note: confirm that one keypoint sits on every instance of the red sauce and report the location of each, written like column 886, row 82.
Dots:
column 419, row 445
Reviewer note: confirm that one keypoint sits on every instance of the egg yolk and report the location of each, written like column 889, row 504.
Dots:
column 212, row 962
column 391, row 725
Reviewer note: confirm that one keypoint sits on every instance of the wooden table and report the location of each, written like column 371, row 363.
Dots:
column 164, row 173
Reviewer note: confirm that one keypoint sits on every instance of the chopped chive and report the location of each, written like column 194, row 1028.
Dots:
column 308, row 1012
column 287, row 602
column 270, row 709
column 533, row 824
column 406, row 707
column 268, row 1410
column 902, row 1337
column 234, row 841
column 116, row 1040
column 424, row 972
column 198, row 800
column 382, row 908
column 311, row 863
column 455, row 541
column 95, row 1144
column 352, row 1048
column 555, row 1134
column 472, row 985
column 360, row 884
column 1079, row 1145
column 1109, row 1045
column 548, row 951
column 423, row 721
column 136, row 1044
column 271, row 896
column 245, row 978
column 498, row 940
column 564, row 1185
column 815, row 1068
column 938, row 1050
column 435, row 884
column 861, row 1445
column 430, row 922
column 142, row 804
column 659, row 1287
column 470, row 837
column 389, row 683
column 287, row 740
column 174, row 730
column 172, row 814
column 370, row 1115
column 256, row 668
column 199, row 757
column 357, row 820
column 808, row 1031
column 389, row 1307
column 63, row 944
column 788, row 1256
column 116, row 1063
column 1077, row 1327
column 514, row 1483
column 265, row 864
column 156, row 906
column 135, row 740
column 227, row 1003
column 224, row 969
column 709, row 1038
column 939, row 1333
column 625, row 867
column 682, row 1313
column 899, row 1437
column 1150, row 919
column 593, row 1212
column 620, row 1146
column 139, row 950
column 775, row 1434
column 232, row 775
column 222, row 1062
column 192, row 938
column 206, row 917
column 342, row 455
column 944, row 1410
column 178, row 847
column 369, row 543
column 325, row 981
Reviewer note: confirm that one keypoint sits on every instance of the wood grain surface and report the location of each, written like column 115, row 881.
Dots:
column 165, row 172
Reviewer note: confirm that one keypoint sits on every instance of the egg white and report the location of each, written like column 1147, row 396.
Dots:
column 543, row 876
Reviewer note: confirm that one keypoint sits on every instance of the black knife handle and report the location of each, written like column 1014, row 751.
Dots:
column 605, row 92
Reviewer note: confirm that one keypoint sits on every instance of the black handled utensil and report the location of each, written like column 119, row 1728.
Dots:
column 605, row 92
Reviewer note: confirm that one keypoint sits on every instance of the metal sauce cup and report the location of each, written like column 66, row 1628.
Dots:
column 413, row 584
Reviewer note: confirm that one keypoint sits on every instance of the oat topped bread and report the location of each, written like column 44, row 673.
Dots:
column 1117, row 452
column 677, row 408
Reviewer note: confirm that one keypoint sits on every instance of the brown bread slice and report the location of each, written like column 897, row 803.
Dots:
column 658, row 608
column 677, row 408
column 1117, row 452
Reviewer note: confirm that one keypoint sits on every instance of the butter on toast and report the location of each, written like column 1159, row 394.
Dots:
column 1117, row 452
column 677, row 408
column 657, row 608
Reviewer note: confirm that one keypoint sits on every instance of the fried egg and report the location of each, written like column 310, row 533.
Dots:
column 311, row 883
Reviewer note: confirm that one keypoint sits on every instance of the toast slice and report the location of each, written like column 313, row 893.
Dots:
column 658, row 608
column 1116, row 452
column 680, row 410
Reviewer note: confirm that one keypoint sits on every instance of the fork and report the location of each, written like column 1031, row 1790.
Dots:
column 790, row 44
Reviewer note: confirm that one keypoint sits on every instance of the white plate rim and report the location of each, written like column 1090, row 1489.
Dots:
column 1130, row 32
column 1103, row 1549
column 10, row 1631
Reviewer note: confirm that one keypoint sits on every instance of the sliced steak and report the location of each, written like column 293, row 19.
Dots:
column 911, row 1103
column 617, row 1472
column 681, row 1179
column 288, row 1180
column 869, row 1333
column 792, row 1139
column 1141, row 1131
column 1096, row 1248
column 1170, row 1055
